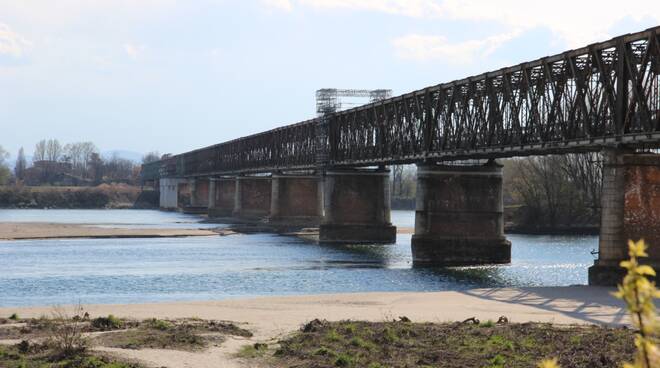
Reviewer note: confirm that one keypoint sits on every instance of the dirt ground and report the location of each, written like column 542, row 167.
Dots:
column 271, row 319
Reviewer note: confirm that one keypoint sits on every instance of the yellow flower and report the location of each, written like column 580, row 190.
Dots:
column 637, row 249
column 550, row 363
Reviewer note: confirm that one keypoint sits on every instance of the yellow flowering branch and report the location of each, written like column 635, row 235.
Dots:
column 638, row 293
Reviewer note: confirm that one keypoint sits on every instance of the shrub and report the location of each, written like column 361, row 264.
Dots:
column 160, row 324
column 14, row 317
column 107, row 323
column 67, row 333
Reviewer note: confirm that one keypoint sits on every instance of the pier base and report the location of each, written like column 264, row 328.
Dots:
column 630, row 211
column 357, row 207
column 459, row 216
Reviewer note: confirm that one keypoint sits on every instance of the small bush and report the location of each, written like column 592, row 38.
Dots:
column 344, row 360
column 333, row 336
column 160, row 324
column 252, row 351
column 324, row 351
column 67, row 333
column 107, row 323
column 487, row 324
column 14, row 317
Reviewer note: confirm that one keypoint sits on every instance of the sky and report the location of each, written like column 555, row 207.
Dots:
column 175, row 75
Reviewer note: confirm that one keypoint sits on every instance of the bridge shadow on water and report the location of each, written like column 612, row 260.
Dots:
column 582, row 303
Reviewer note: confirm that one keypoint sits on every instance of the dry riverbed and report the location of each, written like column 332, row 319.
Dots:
column 36, row 230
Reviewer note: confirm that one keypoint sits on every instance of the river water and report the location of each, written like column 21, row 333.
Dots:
column 90, row 271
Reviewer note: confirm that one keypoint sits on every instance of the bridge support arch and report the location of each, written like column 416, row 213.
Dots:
column 630, row 210
column 356, row 207
column 252, row 197
column 296, row 199
column 459, row 216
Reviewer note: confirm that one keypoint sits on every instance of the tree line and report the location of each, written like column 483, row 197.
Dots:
column 80, row 161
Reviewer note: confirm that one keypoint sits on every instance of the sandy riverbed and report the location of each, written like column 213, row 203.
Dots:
column 46, row 230
column 36, row 230
column 273, row 317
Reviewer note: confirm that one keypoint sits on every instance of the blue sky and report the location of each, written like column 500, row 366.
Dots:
column 171, row 76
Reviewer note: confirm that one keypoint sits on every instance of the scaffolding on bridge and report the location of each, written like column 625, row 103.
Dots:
column 329, row 100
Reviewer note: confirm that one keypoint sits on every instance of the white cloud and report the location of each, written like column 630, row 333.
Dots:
column 133, row 51
column 12, row 44
column 576, row 23
column 424, row 47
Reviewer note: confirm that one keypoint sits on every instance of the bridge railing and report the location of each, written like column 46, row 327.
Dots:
column 289, row 147
column 577, row 100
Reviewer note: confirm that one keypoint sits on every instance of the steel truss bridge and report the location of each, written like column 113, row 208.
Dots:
column 605, row 94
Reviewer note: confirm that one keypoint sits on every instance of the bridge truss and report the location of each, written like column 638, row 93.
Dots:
column 605, row 94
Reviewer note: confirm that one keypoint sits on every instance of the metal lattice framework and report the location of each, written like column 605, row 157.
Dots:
column 606, row 94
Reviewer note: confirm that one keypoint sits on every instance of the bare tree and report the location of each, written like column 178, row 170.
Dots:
column 151, row 157
column 118, row 169
column 397, row 180
column 558, row 190
column 79, row 154
column 54, row 150
column 39, row 151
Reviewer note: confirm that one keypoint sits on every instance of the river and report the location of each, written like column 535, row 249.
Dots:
column 93, row 271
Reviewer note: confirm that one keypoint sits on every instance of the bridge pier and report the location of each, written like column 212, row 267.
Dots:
column 252, row 197
column 459, row 216
column 193, row 196
column 169, row 193
column 357, row 207
column 295, row 199
column 630, row 210
column 222, row 194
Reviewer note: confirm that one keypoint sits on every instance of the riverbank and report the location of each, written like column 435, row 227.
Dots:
column 37, row 230
column 116, row 196
column 274, row 318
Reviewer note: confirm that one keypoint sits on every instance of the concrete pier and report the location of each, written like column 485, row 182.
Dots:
column 357, row 207
column 295, row 199
column 459, row 216
column 224, row 197
column 630, row 210
column 252, row 197
column 169, row 193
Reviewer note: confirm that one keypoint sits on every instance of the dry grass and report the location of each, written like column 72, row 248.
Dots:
column 452, row 345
